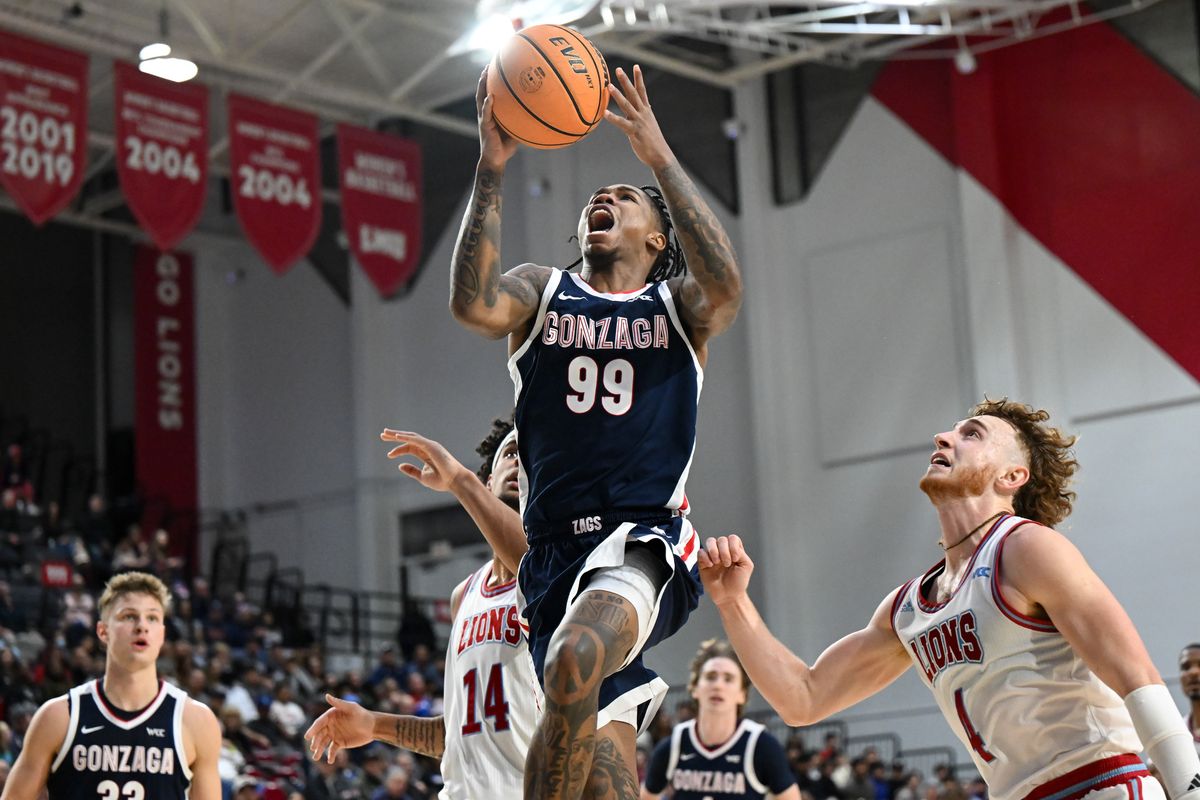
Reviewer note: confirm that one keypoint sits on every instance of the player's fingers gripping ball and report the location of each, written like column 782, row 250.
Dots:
column 549, row 86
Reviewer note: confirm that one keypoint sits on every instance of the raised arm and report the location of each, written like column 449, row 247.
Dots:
column 47, row 729
column 711, row 293
column 439, row 470
column 482, row 298
column 851, row 669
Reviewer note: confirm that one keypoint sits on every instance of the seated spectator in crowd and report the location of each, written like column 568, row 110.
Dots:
column 242, row 737
column 388, row 667
column 395, row 786
column 246, row 693
column 245, row 787
column 131, row 552
column 79, row 610
column 422, row 663
column 12, row 618
column 331, row 782
column 287, row 716
column 6, row 744
column 166, row 566
column 421, row 700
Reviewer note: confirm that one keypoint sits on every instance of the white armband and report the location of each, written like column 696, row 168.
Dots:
column 1166, row 739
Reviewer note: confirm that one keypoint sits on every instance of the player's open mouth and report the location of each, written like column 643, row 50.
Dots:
column 140, row 644
column 939, row 460
column 600, row 219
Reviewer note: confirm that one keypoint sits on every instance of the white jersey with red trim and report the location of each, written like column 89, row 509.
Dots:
column 492, row 697
column 1012, row 688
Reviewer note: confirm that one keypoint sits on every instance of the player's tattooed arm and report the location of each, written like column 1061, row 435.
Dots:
column 483, row 298
column 711, row 293
column 424, row 735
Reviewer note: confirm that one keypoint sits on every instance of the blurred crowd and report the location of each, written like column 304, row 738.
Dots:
column 266, row 680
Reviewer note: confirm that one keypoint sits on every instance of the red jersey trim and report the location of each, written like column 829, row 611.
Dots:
column 929, row 607
column 495, row 590
column 1006, row 608
column 1090, row 777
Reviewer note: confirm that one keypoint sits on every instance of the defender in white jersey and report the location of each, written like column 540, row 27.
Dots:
column 1027, row 652
column 492, row 697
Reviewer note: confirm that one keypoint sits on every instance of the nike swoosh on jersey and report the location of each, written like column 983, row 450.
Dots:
column 93, row 729
column 565, row 296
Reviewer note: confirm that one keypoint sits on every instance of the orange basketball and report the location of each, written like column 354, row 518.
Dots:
column 549, row 86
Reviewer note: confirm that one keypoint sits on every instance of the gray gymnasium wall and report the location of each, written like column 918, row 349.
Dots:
column 876, row 312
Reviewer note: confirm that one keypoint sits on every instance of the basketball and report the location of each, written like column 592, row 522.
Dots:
column 549, row 86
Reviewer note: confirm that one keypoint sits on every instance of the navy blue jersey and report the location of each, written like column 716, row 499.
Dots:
column 106, row 756
column 751, row 763
column 606, row 393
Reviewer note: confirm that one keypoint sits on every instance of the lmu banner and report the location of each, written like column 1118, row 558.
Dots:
column 43, row 124
column 380, row 178
column 275, row 178
column 162, row 151
column 165, row 377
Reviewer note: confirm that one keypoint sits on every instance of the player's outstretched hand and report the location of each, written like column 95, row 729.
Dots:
column 345, row 724
column 495, row 146
column 438, row 468
column 724, row 568
column 639, row 122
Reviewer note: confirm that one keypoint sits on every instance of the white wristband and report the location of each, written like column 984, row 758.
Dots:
column 1165, row 737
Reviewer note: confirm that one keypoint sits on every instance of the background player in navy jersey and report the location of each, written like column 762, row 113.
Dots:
column 608, row 366
column 1031, row 659
column 482, row 746
column 719, row 754
column 128, row 735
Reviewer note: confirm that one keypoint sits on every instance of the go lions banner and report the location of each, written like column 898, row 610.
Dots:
column 43, row 124
column 164, row 346
column 162, row 151
column 275, row 178
column 380, row 177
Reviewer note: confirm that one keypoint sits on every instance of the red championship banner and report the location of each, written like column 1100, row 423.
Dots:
column 165, row 378
column 43, row 124
column 380, row 178
column 275, row 178
column 162, row 151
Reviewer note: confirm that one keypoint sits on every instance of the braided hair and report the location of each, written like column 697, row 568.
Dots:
column 670, row 262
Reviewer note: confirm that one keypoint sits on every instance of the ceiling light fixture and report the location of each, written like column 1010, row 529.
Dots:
column 155, row 59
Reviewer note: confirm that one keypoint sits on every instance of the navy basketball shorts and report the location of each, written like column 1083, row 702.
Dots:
column 556, row 570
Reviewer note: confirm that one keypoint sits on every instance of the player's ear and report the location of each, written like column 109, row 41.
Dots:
column 102, row 632
column 657, row 240
column 1012, row 479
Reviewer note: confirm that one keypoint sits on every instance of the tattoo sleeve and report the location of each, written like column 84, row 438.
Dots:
column 711, row 259
column 475, row 268
column 424, row 735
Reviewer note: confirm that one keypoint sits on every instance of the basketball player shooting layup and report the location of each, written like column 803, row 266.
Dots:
column 129, row 735
column 1034, row 663
column 608, row 366
column 492, row 698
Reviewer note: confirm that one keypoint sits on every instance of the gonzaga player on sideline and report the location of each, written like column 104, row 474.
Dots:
column 492, row 698
column 128, row 735
column 719, row 755
column 608, row 366
column 1033, row 662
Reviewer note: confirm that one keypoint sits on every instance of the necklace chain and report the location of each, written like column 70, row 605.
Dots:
column 973, row 531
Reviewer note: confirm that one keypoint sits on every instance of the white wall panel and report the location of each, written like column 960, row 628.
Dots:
column 882, row 324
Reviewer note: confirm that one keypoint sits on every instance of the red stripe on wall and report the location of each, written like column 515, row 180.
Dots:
column 1094, row 149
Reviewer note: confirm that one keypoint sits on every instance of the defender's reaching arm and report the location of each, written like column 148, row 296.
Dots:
column 851, row 669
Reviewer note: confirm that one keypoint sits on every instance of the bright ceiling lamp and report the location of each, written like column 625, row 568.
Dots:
column 155, row 59
column 497, row 19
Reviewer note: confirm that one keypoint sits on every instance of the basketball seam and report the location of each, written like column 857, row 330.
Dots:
column 557, row 74
column 601, row 74
column 544, row 145
column 512, row 93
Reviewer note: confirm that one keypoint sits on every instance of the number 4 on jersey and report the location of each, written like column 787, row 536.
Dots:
column 494, row 704
column 973, row 737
